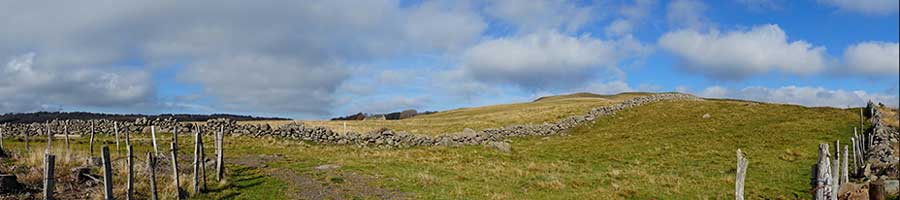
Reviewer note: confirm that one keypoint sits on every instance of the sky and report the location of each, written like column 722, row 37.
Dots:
column 319, row 59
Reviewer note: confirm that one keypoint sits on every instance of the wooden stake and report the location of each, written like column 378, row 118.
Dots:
column 66, row 131
column 129, row 186
column 27, row 141
column 220, row 154
column 856, row 162
column 116, row 130
column 153, row 135
column 741, row 174
column 1, row 138
column 175, row 173
column 107, row 173
column 49, row 164
column 845, row 173
column 92, row 141
column 151, row 163
column 175, row 132
column 49, row 138
column 196, row 180
column 835, row 177
column 202, row 164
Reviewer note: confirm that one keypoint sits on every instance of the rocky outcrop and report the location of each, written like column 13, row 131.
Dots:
column 382, row 137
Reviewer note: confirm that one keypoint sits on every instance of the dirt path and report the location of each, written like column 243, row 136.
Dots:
column 336, row 185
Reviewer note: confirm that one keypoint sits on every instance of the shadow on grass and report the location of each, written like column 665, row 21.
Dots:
column 243, row 182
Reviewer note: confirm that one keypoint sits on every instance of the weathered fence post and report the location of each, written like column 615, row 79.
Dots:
column 740, row 177
column 823, row 175
column 151, row 164
column 196, row 179
column 27, row 141
column 845, row 173
column 66, row 131
column 175, row 174
column 1, row 137
column 175, row 132
column 153, row 135
column 127, row 137
column 49, row 164
column 856, row 162
column 835, row 176
column 116, row 130
column 91, row 158
column 49, row 138
column 129, row 185
column 107, row 173
column 202, row 164
column 220, row 137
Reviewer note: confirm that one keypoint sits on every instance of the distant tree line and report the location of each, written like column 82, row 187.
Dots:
column 49, row 116
column 390, row 116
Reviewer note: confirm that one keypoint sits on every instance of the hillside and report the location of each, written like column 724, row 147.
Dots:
column 545, row 109
column 665, row 150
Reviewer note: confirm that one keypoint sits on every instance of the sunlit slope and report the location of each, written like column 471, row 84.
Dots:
column 664, row 150
column 548, row 109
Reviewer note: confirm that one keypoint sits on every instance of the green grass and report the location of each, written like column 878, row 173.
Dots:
column 663, row 150
column 548, row 109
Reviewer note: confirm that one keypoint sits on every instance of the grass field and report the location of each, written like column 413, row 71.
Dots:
column 547, row 109
column 664, row 150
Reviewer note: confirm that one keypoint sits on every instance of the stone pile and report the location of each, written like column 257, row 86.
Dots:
column 382, row 137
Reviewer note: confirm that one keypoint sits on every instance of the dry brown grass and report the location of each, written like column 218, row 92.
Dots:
column 889, row 117
column 477, row 118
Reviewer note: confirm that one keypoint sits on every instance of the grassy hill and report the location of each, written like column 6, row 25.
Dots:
column 545, row 109
column 664, row 150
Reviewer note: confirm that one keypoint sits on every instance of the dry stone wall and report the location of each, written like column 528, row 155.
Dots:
column 383, row 137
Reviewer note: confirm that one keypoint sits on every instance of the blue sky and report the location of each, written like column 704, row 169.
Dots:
column 319, row 59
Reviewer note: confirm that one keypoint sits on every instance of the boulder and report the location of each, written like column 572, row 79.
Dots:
column 501, row 146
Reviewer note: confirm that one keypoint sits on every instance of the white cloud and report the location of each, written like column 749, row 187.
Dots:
column 808, row 96
column 686, row 14
column 873, row 58
column 531, row 16
column 868, row 7
column 542, row 60
column 738, row 54
column 29, row 84
column 612, row 87
column 285, row 57
column 630, row 17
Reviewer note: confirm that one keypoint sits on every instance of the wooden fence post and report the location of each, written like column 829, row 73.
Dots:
column 116, row 130
column 49, row 164
column 129, row 185
column 27, row 141
column 835, row 176
column 822, row 187
column 740, row 177
column 153, row 135
column 175, row 132
column 175, row 174
column 49, row 138
column 202, row 164
column 151, row 165
column 845, row 173
column 196, row 179
column 107, row 174
column 66, row 131
column 856, row 162
column 220, row 150
column 92, row 142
